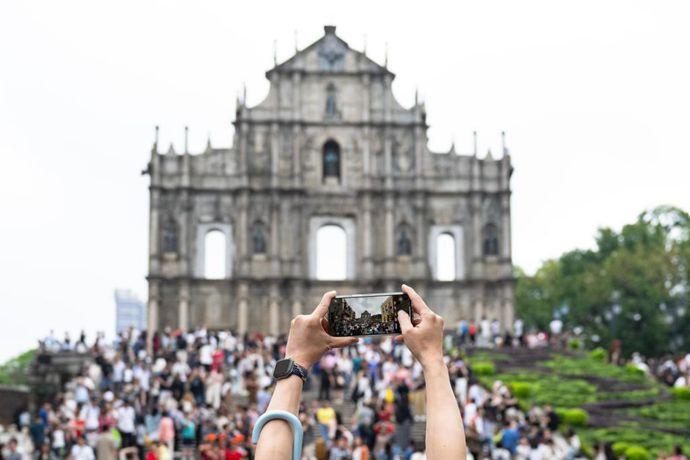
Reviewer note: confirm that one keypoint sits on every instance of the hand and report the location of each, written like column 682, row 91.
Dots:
column 309, row 339
column 425, row 338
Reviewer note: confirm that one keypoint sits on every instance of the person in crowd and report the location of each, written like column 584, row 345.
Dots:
column 81, row 450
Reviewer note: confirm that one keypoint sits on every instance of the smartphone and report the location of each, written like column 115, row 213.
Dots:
column 367, row 314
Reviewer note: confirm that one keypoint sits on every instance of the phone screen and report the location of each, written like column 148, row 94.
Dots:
column 367, row 314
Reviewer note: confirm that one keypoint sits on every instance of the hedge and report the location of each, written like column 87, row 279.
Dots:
column 521, row 390
column 681, row 393
column 599, row 354
column 574, row 417
column 483, row 368
column 637, row 453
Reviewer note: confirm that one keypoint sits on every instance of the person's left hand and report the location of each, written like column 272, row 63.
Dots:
column 309, row 339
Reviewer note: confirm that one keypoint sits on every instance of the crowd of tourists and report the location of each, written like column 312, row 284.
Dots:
column 196, row 394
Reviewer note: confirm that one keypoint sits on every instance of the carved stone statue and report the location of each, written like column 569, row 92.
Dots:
column 404, row 244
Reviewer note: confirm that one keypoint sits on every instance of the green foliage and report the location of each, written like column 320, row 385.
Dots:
column 547, row 388
column 521, row 390
column 619, row 448
column 637, row 453
column 670, row 414
column 598, row 354
column 575, row 417
column 682, row 393
column 14, row 371
column 641, row 267
column 483, row 368
column 592, row 366
column 633, row 369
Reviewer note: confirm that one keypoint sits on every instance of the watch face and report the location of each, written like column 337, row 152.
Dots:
column 283, row 368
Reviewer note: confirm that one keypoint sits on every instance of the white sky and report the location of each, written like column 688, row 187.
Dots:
column 594, row 97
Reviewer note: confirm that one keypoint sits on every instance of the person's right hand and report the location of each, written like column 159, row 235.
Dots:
column 424, row 339
column 309, row 339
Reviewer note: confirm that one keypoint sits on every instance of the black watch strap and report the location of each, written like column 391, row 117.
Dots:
column 299, row 371
column 287, row 367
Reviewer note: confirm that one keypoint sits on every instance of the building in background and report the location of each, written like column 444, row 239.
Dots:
column 130, row 311
column 328, row 152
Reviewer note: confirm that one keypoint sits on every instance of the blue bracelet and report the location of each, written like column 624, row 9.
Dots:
column 288, row 417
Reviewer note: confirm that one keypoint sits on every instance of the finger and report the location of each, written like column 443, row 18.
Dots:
column 405, row 323
column 339, row 342
column 325, row 325
column 322, row 308
column 417, row 302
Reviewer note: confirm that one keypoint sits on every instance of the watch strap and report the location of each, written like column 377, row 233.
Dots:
column 299, row 371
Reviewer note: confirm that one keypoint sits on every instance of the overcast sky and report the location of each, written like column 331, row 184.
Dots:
column 594, row 97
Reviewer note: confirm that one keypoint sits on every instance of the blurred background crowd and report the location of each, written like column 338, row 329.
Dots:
column 196, row 394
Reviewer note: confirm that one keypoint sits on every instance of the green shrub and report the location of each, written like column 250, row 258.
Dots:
column 575, row 417
column 681, row 393
column 633, row 369
column 574, row 344
column 483, row 368
column 599, row 354
column 637, row 453
column 619, row 448
column 521, row 390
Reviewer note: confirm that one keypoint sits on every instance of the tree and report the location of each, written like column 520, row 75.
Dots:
column 633, row 286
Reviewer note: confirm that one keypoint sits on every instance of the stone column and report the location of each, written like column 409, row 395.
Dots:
column 387, row 158
column 478, row 307
column 274, row 313
column 274, row 253
column 505, row 226
column 154, row 231
column 183, row 305
column 275, row 152
column 366, row 236
column 152, row 313
column 389, row 227
column 242, row 307
column 420, row 250
column 297, row 295
column 242, row 243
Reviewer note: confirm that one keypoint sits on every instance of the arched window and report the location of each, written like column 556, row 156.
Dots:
column 331, row 253
column 214, row 255
column 331, row 160
column 169, row 236
column 445, row 257
column 490, row 240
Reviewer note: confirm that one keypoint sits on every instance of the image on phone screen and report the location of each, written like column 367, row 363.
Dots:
column 367, row 314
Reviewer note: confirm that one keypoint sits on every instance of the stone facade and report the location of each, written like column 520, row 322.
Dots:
column 329, row 145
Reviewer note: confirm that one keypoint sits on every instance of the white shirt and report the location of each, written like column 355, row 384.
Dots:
column 125, row 419
column 84, row 452
column 118, row 371
column 90, row 415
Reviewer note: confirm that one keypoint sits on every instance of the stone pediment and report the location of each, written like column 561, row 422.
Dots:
column 329, row 54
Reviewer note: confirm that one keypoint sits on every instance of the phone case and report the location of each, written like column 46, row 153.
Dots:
column 367, row 314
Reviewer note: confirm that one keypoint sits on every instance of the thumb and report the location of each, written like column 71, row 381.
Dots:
column 405, row 322
column 339, row 342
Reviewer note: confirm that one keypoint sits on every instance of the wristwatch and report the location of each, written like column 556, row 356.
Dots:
column 287, row 367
